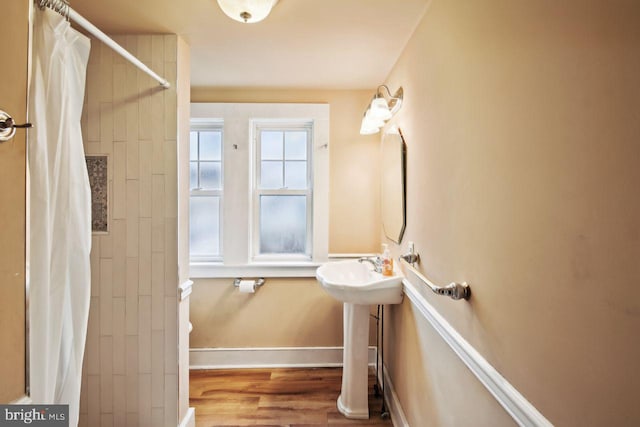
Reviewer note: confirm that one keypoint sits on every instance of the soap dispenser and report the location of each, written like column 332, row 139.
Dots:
column 387, row 261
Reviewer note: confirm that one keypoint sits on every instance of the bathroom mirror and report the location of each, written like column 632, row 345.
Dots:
column 393, row 193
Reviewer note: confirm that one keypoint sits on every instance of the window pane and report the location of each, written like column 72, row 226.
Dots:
column 271, row 145
column 295, row 145
column 193, row 175
column 204, row 226
column 295, row 175
column 271, row 175
column 283, row 224
column 193, row 145
column 210, row 174
column 210, row 145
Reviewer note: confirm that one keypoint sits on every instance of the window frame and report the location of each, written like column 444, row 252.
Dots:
column 238, row 260
column 203, row 125
column 257, row 126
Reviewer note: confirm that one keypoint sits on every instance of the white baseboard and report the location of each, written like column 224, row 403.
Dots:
column 269, row 357
column 520, row 409
column 189, row 419
column 24, row 400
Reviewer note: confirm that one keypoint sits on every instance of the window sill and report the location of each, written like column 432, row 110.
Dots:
column 211, row 270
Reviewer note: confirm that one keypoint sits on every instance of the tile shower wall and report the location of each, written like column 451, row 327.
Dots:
column 130, row 375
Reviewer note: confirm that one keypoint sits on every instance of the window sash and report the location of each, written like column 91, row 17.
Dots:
column 258, row 192
column 209, row 126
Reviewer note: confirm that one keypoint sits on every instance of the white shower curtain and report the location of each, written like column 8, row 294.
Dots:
column 59, row 213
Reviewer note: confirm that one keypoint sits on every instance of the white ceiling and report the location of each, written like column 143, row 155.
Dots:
column 330, row 44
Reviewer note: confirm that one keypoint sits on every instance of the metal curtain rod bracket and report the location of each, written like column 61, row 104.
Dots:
column 63, row 8
column 453, row 290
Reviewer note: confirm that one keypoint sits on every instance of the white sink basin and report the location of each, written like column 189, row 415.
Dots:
column 357, row 286
column 356, row 283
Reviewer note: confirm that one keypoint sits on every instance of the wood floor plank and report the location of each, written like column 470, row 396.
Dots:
column 274, row 397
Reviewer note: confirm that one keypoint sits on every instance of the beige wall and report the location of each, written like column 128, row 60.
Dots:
column 282, row 313
column 13, row 89
column 521, row 121
column 130, row 375
column 287, row 312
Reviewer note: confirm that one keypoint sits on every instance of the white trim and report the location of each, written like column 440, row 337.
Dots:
column 185, row 289
column 398, row 418
column 189, row 419
column 522, row 411
column 219, row 271
column 269, row 357
column 24, row 400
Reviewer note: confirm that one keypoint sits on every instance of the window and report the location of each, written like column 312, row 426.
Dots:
column 271, row 162
column 205, row 191
column 282, row 202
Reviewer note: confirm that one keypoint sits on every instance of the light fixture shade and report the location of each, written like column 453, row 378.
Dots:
column 368, row 128
column 379, row 109
column 247, row 11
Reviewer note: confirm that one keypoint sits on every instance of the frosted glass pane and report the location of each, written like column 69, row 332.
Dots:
column 193, row 175
column 211, row 145
column 204, row 226
column 271, row 145
column 193, row 145
column 271, row 175
column 295, row 145
column 210, row 175
column 283, row 224
column 295, row 175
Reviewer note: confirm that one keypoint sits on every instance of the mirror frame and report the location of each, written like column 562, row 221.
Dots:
column 403, row 183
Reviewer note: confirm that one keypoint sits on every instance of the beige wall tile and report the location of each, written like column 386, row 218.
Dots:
column 93, row 399
column 171, row 331
column 106, row 127
column 119, row 199
column 133, row 211
column 131, row 374
column 92, row 346
column 119, row 345
column 157, row 214
column 144, row 250
column 145, row 174
column 105, row 73
column 106, row 374
column 133, row 161
column 157, row 291
column 119, row 400
column 170, row 400
column 170, row 102
column 144, row 335
column 119, row 100
column 157, row 368
column 170, row 47
column 144, row 400
column 171, row 257
column 106, row 296
column 131, row 297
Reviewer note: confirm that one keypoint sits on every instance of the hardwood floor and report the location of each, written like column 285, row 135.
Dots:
column 274, row 397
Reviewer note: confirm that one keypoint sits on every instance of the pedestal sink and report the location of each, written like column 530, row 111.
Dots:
column 357, row 286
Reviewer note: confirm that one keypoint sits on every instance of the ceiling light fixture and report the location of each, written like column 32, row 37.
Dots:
column 380, row 110
column 247, row 11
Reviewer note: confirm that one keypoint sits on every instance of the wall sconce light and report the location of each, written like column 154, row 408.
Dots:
column 247, row 11
column 380, row 110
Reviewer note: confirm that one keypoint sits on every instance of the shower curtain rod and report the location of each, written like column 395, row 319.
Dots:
column 63, row 8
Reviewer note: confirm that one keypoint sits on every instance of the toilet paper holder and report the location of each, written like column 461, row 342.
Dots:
column 259, row 282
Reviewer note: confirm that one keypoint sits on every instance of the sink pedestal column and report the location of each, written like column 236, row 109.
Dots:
column 353, row 401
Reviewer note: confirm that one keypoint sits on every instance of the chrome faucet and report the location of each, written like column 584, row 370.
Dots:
column 375, row 262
